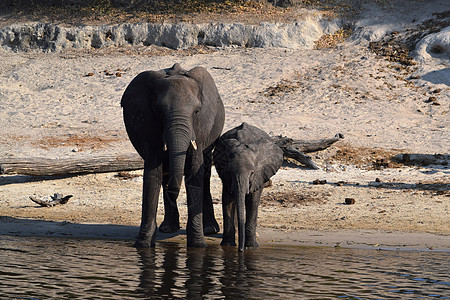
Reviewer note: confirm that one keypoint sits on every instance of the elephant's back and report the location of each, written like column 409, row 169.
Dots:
column 246, row 134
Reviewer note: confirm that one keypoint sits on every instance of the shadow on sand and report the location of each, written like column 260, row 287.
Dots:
column 17, row 179
column 31, row 227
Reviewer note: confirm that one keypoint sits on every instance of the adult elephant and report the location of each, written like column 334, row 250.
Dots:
column 245, row 158
column 173, row 118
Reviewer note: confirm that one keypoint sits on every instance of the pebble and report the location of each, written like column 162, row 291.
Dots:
column 349, row 201
column 318, row 181
column 432, row 100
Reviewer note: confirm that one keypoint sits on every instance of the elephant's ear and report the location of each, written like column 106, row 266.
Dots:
column 207, row 87
column 137, row 102
column 224, row 153
column 140, row 90
column 270, row 159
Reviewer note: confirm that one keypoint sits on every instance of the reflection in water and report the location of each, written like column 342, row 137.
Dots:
column 175, row 271
column 42, row 268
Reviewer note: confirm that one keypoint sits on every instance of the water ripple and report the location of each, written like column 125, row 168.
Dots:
column 44, row 268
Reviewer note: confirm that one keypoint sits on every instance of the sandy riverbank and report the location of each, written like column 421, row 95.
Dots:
column 66, row 104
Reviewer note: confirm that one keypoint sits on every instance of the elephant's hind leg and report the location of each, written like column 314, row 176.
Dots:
column 151, row 188
column 210, row 225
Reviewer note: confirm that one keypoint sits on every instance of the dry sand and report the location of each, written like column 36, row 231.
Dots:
column 67, row 104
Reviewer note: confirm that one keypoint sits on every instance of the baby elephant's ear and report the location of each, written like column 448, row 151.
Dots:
column 207, row 87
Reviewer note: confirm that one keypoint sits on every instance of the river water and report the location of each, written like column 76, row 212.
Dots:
column 44, row 268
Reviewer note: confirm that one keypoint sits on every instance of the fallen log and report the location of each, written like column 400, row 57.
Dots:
column 306, row 146
column 296, row 149
column 70, row 166
column 301, row 157
column 128, row 162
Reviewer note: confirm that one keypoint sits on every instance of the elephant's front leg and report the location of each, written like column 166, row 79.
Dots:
column 210, row 225
column 251, row 208
column 151, row 188
column 194, row 190
column 171, row 221
column 229, row 210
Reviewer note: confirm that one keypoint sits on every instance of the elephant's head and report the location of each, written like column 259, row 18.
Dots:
column 178, row 106
column 243, row 168
column 237, row 165
column 186, row 121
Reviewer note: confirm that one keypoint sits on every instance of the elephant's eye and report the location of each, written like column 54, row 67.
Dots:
column 197, row 111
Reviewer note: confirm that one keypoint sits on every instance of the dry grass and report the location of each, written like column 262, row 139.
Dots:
column 292, row 199
column 151, row 50
column 81, row 142
column 396, row 46
column 332, row 40
column 283, row 87
column 365, row 158
column 104, row 12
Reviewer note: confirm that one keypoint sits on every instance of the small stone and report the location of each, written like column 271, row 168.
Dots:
column 431, row 99
column 377, row 179
column 318, row 181
column 349, row 201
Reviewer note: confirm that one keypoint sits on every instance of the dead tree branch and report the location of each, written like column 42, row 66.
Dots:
column 56, row 199
column 292, row 148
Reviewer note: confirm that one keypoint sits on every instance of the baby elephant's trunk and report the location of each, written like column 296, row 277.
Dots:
column 240, row 208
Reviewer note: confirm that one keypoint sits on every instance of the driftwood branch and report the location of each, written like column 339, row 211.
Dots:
column 294, row 149
column 56, row 199
column 306, row 146
column 301, row 157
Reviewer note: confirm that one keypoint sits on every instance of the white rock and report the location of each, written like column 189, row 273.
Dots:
column 436, row 45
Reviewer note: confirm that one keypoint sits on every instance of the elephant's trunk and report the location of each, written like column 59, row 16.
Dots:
column 178, row 138
column 242, row 190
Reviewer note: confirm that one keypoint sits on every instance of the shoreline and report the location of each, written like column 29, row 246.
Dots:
column 344, row 238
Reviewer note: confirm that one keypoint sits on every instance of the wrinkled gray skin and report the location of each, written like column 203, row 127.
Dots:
column 245, row 158
column 173, row 118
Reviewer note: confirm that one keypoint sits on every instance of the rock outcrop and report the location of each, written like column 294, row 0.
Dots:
column 45, row 37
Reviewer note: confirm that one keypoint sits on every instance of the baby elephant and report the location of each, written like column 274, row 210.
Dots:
column 245, row 158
